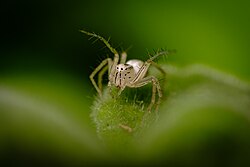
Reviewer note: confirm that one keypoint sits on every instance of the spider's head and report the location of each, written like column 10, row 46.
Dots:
column 124, row 73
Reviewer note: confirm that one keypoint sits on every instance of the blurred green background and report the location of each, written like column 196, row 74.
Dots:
column 45, row 93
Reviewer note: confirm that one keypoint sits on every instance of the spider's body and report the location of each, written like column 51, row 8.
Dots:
column 124, row 73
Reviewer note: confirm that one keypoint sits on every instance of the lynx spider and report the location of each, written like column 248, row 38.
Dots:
column 127, row 73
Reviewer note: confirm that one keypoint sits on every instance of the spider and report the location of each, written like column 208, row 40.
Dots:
column 124, row 73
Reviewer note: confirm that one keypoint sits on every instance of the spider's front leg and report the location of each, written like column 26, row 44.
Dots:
column 102, row 65
column 100, row 77
column 123, row 58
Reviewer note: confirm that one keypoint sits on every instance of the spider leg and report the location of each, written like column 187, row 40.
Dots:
column 161, row 53
column 123, row 58
column 139, row 79
column 158, row 68
column 102, row 39
column 155, row 86
column 100, row 76
column 153, row 97
column 116, row 55
column 97, row 69
column 162, row 71
column 113, row 66
column 143, row 70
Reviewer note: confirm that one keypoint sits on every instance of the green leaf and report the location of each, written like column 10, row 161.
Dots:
column 46, row 117
column 203, row 114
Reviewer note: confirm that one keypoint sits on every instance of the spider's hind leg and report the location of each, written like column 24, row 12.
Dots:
column 155, row 88
column 164, row 74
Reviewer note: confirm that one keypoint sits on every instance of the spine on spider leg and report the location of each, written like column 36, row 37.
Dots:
column 164, row 52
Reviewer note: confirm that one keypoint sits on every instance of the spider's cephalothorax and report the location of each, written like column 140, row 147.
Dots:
column 123, row 75
column 127, row 74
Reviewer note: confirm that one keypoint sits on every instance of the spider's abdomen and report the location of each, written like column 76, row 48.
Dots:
column 123, row 75
column 136, row 64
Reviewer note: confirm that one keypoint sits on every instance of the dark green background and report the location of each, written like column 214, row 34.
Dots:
column 43, row 35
